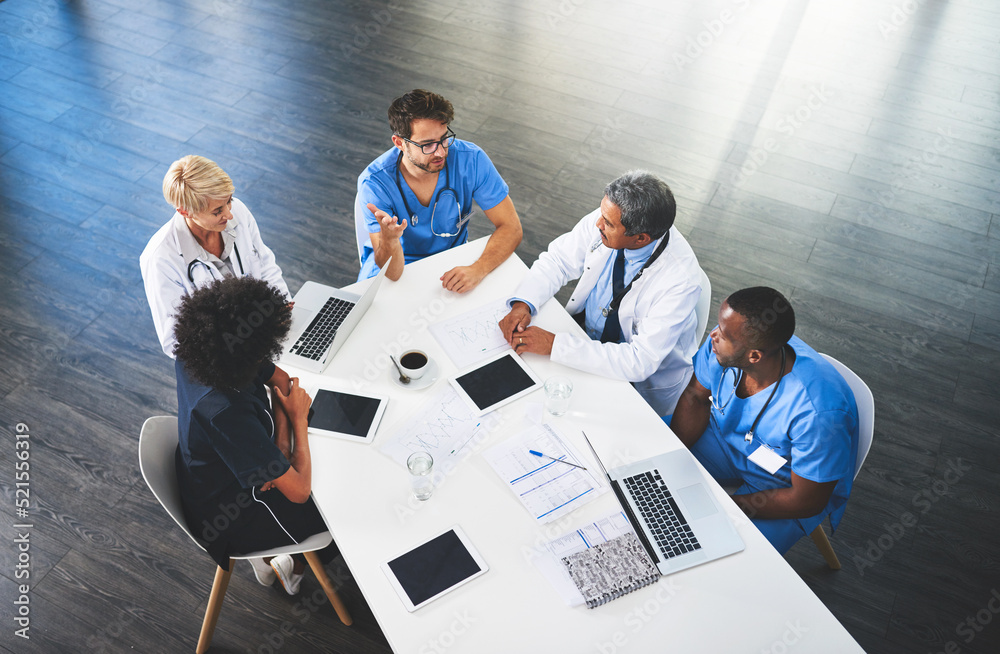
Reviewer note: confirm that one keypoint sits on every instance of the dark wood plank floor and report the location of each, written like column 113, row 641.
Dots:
column 846, row 153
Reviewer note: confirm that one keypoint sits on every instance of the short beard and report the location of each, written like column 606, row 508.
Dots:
column 424, row 167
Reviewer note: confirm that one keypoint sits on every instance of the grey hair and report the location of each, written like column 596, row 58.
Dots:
column 646, row 203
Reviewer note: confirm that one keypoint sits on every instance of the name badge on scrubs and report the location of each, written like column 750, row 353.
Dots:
column 768, row 459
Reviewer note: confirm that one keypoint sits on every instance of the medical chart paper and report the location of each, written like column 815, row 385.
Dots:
column 445, row 427
column 473, row 336
column 548, row 489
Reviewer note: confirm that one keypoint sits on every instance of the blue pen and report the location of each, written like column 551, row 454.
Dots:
column 555, row 459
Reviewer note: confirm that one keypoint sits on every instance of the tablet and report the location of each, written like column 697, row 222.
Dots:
column 350, row 416
column 500, row 380
column 434, row 568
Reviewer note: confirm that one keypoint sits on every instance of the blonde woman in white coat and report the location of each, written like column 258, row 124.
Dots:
column 210, row 236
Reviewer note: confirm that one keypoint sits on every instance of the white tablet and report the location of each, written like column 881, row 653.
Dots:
column 351, row 416
column 434, row 568
column 499, row 380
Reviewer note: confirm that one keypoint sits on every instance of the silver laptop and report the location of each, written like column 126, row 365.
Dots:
column 675, row 515
column 322, row 319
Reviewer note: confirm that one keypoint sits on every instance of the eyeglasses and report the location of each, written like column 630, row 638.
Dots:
column 431, row 148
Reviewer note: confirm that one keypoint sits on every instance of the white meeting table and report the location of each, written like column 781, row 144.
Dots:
column 748, row 602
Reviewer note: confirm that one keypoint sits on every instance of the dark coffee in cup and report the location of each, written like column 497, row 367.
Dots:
column 413, row 360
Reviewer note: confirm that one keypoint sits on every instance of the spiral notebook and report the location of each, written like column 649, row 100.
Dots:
column 606, row 571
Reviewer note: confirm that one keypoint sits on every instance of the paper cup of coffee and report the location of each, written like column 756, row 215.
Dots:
column 414, row 363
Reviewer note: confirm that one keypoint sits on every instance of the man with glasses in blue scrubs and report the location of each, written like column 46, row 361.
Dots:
column 415, row 200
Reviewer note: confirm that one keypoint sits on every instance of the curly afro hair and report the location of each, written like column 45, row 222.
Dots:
column 227, row 329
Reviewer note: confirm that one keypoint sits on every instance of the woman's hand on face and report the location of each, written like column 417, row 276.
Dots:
column 296, row 403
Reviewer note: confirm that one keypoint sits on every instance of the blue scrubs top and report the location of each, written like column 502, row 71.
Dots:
column 812, row 422
column 469, row 172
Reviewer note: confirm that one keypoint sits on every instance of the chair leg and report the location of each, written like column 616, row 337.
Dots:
column 219, row 587
column 825, row 548
column 331, row 593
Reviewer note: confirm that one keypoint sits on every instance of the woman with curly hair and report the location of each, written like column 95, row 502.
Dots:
column 243, row 466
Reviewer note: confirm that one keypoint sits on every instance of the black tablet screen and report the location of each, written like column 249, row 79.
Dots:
column 343, row 413
column 495, row 382
column 433, row 567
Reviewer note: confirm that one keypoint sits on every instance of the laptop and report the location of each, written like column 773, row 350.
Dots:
column 676, row 517
column 322, row 319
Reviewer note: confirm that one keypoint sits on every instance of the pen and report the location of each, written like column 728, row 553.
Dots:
column 555, row 459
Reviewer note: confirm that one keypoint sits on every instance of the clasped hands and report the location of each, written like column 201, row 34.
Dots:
column 521, row 337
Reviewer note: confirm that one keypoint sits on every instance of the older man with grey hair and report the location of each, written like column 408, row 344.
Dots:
column 639, row 284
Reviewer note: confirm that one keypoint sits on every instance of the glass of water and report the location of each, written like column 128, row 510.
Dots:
column 558, row 391
column 421, row 465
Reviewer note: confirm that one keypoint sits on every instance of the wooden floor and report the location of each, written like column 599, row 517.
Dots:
column 845, row 153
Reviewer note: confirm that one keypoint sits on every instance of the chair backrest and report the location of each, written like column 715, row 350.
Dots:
column 704, row 304
column 157, row 445
column 866, row 409
column 361, row 235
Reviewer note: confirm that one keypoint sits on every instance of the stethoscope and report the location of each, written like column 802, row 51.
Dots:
column 737, row 375
column 239, row 261
column 437, row 198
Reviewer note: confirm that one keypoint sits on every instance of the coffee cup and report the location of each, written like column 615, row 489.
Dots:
column 414, row 363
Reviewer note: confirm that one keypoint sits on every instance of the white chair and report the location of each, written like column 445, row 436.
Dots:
column 361, row 236
column 866, row 432
column 157, row 444
column 704, row 304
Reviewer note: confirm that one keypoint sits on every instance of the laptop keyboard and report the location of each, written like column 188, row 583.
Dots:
column 319, row 334
column 661, row 514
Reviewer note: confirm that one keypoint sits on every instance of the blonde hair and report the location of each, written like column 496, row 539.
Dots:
column 193, row 181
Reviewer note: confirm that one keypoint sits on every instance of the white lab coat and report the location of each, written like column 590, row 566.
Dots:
column 166, row 259
column 657, row 314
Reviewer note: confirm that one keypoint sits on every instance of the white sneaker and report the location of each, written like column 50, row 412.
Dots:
column 284, row 567
column 264, row 573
